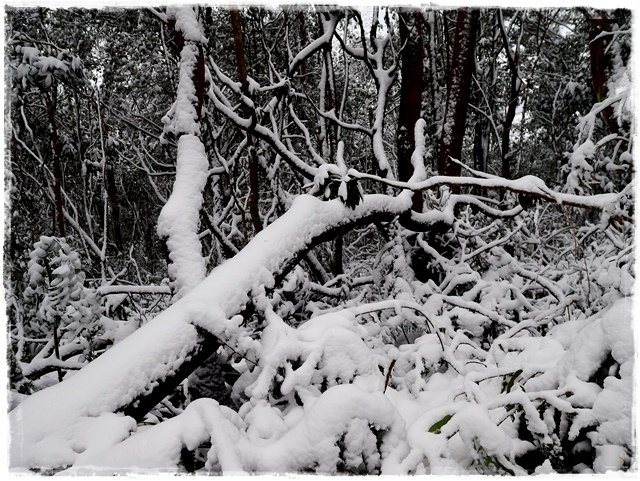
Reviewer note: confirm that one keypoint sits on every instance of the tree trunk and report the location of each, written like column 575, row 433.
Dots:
column 600, row 60
column 241, row 67
column 57, row 167
column 338, row 246
column 110, row 186
column 327, row 99
column 114, row 204
column 430, row 114
column 304, row 40
column 329, row 132
column 458, row 91
column 514, row 94
column 412, row 74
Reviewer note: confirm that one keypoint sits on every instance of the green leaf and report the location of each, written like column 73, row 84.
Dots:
column 438, row 425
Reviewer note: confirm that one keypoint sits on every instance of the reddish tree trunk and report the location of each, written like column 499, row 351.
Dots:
column 458, row 91
column 241, row 67
column 412, row 74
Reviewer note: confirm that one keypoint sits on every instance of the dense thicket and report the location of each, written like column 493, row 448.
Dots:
column 455, row 299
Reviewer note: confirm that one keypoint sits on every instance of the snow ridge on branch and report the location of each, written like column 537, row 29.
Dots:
column 180, row 217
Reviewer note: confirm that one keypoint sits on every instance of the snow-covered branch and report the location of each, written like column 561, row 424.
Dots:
column 527, row 185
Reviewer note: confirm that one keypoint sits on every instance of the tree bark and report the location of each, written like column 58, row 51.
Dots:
column 600, row 61
column 431, row 79
column 329, row 132
column 57, row 166
column 514, row 93
column 304, row 40
column 110, row 185
column 412, row 74
column 458, row 91
column 241, row 67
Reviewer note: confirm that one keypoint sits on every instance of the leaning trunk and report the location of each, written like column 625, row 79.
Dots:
column 135, row 374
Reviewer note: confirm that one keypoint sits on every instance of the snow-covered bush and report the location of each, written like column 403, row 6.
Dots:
column 59, row 310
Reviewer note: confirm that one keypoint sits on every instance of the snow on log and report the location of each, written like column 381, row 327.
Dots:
column 51, row 427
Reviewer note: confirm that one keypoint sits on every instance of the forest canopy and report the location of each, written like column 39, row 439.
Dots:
column 373, row 240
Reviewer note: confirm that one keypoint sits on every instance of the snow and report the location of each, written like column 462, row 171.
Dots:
column 327, row 346
column 157, row 448
column 579, row 167
column 528, row 184
column 182, row 117
column 328, row 28
column 610, row 457
column 127, row 289
column 187, row 23
column 179, row 218
column 417, row 157
column 385, row 80
column 159, row 347
column 379, row 373
column 341, row 409
column 45, row 425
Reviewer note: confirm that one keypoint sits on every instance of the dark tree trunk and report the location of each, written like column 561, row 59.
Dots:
column 458, row 91
column 241, row 67
column 431, row 80
column 412, row 74
column 481, row 141
column 336, row 266
column 114, row 204
column 600, row 60
column 330, row 141
column 514, row 95
column 110, row 182
column 329, row 96
column 304, row 40
column 57, row 167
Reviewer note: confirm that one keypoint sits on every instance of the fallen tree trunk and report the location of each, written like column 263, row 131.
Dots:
column 51, row 427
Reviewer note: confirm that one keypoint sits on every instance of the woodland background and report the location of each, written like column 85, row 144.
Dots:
column 481, row 316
